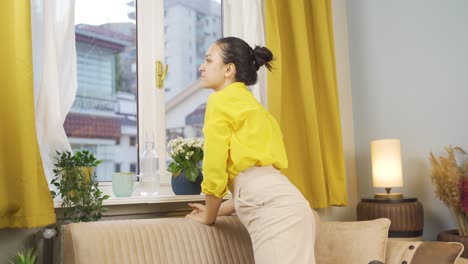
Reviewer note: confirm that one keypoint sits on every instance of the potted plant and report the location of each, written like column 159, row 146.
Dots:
column 77, row 185
column 24, row 257
column 450, row 177
column 186, row 154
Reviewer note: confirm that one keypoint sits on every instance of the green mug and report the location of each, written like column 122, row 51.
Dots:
column 122, row 183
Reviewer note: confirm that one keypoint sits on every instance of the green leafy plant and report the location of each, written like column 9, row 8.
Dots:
column 186, row 154
column 77, row 185
column 24, row 257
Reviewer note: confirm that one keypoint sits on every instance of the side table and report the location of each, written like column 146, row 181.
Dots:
column 406, row 215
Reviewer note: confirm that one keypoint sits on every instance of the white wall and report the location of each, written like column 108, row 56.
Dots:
column 409, row 62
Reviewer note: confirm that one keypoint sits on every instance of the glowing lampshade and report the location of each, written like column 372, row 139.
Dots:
column 386, row 166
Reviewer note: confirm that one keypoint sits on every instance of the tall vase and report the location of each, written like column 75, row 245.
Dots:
column 461, row 220
column 182, row 186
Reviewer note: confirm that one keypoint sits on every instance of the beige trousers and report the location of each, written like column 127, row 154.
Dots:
column 277, row 216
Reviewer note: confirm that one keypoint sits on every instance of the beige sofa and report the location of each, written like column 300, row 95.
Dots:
column 179, row 240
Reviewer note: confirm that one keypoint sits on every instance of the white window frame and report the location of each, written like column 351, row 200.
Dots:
column 151, row 100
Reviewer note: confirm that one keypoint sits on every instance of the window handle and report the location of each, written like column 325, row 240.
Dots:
column 161, row 73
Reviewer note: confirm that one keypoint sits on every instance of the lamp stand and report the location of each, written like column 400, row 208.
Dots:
column 388, row 195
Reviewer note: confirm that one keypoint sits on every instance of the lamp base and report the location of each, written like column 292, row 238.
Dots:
column 388, row 195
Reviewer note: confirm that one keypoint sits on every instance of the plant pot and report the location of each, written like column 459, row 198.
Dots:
column 72, row 173
column 88, row 173
column 461, row 220
column 182, row 186
column 452, row 236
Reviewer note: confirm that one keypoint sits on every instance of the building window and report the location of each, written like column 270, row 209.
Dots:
column 133, row 167
column 117, row 167
column 132, row 141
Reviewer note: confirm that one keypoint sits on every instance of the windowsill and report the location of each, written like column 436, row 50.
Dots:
column 166, row 196
column 154, row 199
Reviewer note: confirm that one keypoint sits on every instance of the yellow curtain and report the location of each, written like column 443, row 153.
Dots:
column 25, row 199
column 303, row 96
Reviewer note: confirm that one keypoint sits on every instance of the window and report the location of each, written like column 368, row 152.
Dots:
column 104, row 111
column 133, row 167
column 180, row 110
column 113, row 86
column 132, row 141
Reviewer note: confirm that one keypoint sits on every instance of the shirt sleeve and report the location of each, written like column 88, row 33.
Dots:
column 217, row 131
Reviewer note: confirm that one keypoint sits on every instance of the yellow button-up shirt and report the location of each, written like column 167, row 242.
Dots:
column 239, row 133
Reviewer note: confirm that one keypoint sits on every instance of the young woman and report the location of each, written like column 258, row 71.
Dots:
column 244, row 152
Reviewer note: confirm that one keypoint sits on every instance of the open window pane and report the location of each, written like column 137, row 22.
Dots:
column 190, row 27
column 103, row 117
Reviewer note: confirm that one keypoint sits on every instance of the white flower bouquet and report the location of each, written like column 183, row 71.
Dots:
column 186, row 154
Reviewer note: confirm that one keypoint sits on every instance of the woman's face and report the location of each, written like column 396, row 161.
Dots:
column 213, row 70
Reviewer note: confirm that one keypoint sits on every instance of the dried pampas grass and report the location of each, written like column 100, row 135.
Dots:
column 446, row 176
column 451, row 181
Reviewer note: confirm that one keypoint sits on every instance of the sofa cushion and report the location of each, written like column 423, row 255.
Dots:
column 351, row 242
column 418, row 252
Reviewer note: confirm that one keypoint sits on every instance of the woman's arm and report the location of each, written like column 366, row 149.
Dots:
column 227, row 208
column 206, row 214
column 213, row 204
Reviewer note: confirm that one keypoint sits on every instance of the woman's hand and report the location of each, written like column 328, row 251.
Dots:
column 197, row 207
column 206, row 214
column 227, row 207
column 198, row 216
column 198, row 213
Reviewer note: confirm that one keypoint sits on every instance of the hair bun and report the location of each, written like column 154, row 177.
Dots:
column 263, row 56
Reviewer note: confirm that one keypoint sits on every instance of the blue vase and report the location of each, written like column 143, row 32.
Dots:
column 182, row 186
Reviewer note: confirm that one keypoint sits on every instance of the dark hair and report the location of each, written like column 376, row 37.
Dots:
column 247, row 60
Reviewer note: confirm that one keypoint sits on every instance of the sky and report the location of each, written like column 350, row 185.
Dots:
column 98, row 12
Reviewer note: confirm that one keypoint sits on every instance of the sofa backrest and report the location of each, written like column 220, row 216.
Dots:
column 179, row 240
column 161, row 240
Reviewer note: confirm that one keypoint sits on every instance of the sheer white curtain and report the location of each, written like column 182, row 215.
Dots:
column 244, row 19
column 54, row 64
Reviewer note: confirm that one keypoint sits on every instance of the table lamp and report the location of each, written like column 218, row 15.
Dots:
column 386, row 167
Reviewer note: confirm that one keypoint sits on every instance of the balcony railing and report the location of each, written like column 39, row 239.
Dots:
column 86, row 104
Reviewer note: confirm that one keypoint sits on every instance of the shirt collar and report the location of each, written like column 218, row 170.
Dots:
column 234, row 85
